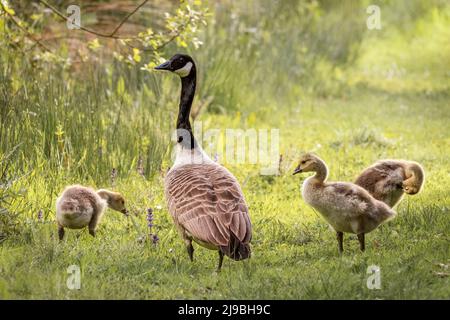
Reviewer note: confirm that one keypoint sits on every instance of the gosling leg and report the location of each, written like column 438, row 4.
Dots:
column 93, row 224
column 362, row 242
column 340, row 239
column 60, row 232
column 219, row 267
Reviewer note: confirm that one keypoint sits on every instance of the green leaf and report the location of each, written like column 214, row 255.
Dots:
column 120, row 87
column 8, row 10
column 94, row 45
column 136, row 55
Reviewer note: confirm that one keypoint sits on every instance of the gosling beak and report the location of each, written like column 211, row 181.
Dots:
column 410, row 191
column 297, row 170
column 163, row 66
column 125, row 212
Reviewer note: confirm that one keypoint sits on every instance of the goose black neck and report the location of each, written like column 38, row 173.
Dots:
column 188, row 84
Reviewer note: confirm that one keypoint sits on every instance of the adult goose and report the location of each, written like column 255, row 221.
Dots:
column 347, row 207
column 389, row 180
column 204, row 199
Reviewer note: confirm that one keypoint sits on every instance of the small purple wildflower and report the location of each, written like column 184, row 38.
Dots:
column 150, row 218
column 40, row 215
column 113, row 177
column 155, row 238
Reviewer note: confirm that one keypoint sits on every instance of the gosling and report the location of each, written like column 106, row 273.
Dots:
column 79, row 206
column 389, row 180
column 347, row 207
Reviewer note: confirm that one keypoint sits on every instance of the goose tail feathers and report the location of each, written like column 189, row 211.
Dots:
column 236, row 249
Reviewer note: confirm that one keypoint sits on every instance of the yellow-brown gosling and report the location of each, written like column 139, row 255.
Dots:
column 389, row 180
column 347, row 207
column 204, row 198
column 80, row 207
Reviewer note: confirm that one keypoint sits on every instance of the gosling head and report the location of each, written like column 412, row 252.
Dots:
column 117, row 202
column 181, row 64
column 415, row 177
column 308, row 162
column 114, row 199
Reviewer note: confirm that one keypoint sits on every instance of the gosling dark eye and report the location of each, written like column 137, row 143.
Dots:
column 303, row 162
column 123, row 202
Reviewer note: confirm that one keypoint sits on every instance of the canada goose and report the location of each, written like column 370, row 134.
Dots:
column 347, row 207
column 389, row 180
column 204, row 198
column 79, row 206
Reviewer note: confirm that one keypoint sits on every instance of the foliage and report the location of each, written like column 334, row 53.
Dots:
column 180, row 27
column 11, row 199
column 75, row 111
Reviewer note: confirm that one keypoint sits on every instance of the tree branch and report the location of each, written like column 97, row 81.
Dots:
column 111, row 35
column 100, row 34
column 116, row 29
column 174, row 36
column 127, row 17
column 27, row 33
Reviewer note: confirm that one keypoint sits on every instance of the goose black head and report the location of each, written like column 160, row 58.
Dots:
column 181, row 64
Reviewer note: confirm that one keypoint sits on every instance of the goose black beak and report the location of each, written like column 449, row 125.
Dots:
column 163, row 66
column 297, row 170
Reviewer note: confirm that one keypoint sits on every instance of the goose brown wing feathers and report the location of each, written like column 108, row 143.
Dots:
column 206, row 200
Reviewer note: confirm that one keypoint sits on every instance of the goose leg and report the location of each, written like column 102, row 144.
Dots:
column 93, row 224
column 362, row 242
column 60, row 232
column 340, row 239
column 219, row 267
column 190, row 250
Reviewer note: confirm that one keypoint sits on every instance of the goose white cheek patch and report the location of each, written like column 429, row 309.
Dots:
column 183, row 72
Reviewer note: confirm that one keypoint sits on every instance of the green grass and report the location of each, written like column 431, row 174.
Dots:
column 352, row 97
column 295, row 252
